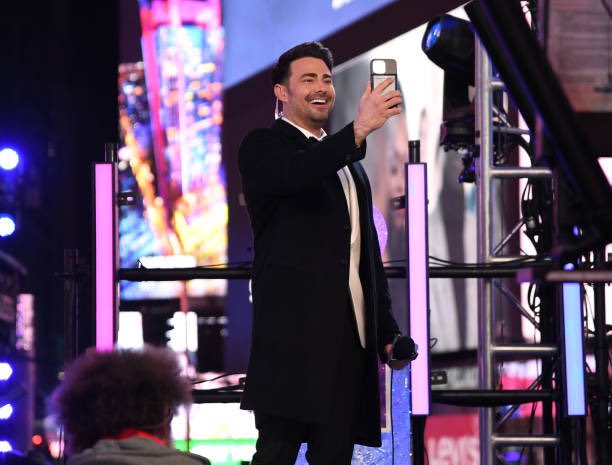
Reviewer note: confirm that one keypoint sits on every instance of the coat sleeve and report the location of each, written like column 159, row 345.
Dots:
column 267, row 166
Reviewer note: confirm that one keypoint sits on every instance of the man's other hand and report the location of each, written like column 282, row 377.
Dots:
column 394, row 364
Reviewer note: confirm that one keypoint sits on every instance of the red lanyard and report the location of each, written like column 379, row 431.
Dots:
column 136, row 433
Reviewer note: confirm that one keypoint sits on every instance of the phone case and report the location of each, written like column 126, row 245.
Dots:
column 381, row 69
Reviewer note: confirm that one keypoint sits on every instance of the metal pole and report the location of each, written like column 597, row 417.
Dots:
column 71, row 290
column 601, row 415
column 484, row 220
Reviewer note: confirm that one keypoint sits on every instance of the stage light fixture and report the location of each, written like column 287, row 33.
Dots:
column 6, row 371
column 6, row 408
column 8, row 225
column 9, row 159
column 449, row 42
column 6, row 411
column 432, row 35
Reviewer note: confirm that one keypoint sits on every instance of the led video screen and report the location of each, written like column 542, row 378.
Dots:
column 171, row 112
column 253, row 43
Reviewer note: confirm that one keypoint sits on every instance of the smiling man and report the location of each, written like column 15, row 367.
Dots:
column 307, row 94
column 322, row 312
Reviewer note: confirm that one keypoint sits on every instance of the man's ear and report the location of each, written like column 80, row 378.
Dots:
column 280, row 91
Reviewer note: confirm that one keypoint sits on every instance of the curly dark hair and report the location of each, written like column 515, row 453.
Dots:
column 104, row 393
column 280, row 72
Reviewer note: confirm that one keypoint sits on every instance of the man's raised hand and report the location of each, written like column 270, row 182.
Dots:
column 375, row 107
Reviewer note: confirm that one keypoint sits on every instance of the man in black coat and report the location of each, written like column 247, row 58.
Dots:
column 322, row 312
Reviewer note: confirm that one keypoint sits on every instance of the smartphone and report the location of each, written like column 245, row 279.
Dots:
column 381, row 69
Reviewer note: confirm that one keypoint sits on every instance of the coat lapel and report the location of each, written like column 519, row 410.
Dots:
column 362, row 187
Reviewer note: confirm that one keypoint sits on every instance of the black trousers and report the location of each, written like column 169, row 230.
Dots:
column 330, row 443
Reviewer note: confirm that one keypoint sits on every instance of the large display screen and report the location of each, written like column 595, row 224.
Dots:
column 171, row 112
column 253, row 43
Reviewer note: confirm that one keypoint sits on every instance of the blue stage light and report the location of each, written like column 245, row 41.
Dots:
column 512, row 456
column 6, row 411
column 6, row 371
column 433, row 34
column 449, row 42
column 11, row 426
column 7, row 225
column 5, row 446
column 9, row 159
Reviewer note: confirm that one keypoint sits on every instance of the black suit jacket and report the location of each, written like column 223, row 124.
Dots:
column 301, row 229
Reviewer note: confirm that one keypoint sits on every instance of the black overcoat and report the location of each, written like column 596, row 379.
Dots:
column 301, row 229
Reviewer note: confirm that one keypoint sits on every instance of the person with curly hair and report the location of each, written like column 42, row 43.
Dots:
column 116, row 407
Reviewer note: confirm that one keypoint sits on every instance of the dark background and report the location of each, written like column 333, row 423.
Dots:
column 58, row 107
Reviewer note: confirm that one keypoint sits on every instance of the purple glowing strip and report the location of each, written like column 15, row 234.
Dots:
column 574, row 350
column 418, row 294
column 104, row 234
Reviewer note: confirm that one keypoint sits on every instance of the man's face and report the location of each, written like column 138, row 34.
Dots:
column 309, row 94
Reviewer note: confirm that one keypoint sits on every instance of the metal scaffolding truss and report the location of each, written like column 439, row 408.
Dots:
column 491, row 243
column 577, row 181
column 539, row 97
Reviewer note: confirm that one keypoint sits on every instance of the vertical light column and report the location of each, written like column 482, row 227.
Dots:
column 105, row 236
column 418, row 287
column 573, row 352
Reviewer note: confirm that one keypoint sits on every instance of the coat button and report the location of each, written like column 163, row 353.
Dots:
column 344, row 261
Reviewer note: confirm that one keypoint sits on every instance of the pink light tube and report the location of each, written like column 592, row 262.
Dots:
column 105, row 256
column 418, row 288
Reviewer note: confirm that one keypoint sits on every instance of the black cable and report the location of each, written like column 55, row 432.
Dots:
column 213, row 379
column 526, row 146
column 397, row 260
column 230, row 388
column 530, row 430
column 238, row 264
column 590, row 312
column 510, row 263
column 535, row 295
column 468, row 265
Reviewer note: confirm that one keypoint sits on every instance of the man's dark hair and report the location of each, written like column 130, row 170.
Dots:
column 280, row 73
column 104, row 393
